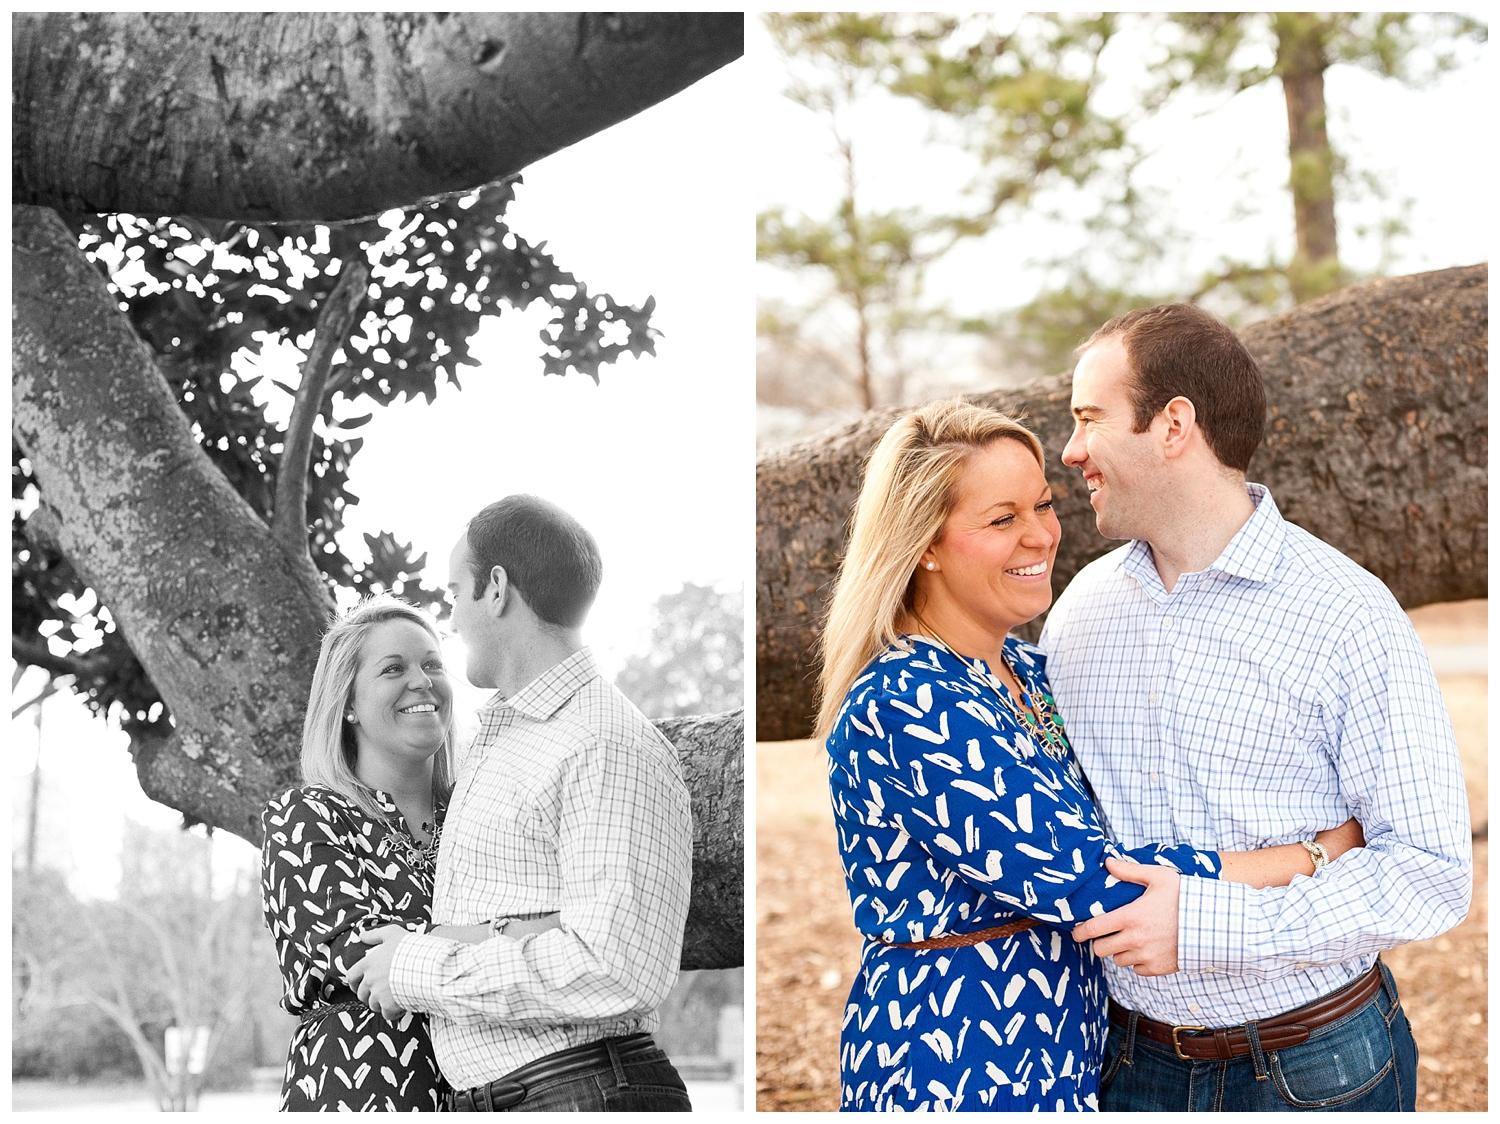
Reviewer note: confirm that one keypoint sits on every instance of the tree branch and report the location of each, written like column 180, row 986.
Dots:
column 37, row 654
column 1231, row 275
column 46, row 692
column 289, row 526
column 326, row 116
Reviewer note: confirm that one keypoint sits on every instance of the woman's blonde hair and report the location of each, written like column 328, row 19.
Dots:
column 909, row 489
column 329, row 751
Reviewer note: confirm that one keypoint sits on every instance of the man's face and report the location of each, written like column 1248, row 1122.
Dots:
column 1121, row 468
column 472, row 621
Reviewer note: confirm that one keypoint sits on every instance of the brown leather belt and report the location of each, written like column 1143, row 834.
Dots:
column 1200, row 1043
column 962, row 940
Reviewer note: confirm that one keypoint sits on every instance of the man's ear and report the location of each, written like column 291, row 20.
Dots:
column 1182, row 423
column 497, row 593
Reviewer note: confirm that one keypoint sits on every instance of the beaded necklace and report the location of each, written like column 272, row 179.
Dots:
column 1036, row 713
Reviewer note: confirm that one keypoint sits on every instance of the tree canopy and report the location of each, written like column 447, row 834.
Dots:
column 1056, row 125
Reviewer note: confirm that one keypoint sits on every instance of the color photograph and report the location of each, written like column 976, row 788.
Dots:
column 1122, row 550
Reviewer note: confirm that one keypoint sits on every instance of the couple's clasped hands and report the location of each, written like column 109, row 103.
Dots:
column 1143, row 934
column 371, row 977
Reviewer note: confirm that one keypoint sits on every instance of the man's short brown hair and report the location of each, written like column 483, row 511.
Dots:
column 1180, row 350
column 547, row 556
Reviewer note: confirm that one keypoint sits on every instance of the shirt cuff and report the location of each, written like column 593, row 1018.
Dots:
column 1211, row 917
column 418, row 971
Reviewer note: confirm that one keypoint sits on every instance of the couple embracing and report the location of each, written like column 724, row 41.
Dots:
column 487, row 928
column 1150, row 862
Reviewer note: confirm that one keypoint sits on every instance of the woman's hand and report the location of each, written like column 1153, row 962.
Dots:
column 1336, row 840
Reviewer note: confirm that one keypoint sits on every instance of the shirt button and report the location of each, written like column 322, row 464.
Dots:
column 1166, row 622
column 1153, row 778
column 1193, row 1007
column 1152, row 697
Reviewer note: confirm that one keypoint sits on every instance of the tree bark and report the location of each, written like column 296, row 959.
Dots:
column 1376, row 442
column 1301, row 59
column 224, row 619
column 711, row 749
column 325, row 116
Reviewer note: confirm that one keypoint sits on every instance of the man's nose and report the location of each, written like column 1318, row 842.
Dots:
column 1073, row 453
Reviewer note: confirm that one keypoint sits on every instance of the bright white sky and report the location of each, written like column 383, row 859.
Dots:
column 1422, row 144
column 655, row 461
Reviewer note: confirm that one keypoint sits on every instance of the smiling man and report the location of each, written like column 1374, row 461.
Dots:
column 1231, row 682
column 568, row 802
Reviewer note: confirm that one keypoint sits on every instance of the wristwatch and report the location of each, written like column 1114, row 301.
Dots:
column 1319, row 855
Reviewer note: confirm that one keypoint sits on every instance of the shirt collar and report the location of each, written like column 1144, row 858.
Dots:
column 1254, row 553
column 544, row 696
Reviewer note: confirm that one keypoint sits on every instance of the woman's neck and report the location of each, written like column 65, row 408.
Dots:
column 961, row 634
column 405, row 782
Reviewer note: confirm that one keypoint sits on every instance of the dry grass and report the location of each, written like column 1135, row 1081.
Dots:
column 807, row 952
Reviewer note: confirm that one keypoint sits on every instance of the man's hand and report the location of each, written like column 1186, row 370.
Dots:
column 1143, row 934
column 371, row 977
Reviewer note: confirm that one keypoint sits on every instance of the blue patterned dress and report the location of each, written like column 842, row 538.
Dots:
column 951, row 818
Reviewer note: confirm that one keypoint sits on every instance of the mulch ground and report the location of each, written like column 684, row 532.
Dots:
column 806, row 956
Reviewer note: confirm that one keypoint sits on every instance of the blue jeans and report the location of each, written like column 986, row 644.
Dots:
column 1365, row 1062
column 647, row 1083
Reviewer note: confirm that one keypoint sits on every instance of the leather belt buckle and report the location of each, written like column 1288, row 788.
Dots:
column 1177, row 1044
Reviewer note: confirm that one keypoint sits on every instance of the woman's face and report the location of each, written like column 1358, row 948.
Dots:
column 402, row 698
column 993, row 558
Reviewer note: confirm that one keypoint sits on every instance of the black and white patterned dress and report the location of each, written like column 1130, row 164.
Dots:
column 328, row 873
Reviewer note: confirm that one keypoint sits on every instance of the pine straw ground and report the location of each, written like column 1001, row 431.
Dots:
column 806, row 952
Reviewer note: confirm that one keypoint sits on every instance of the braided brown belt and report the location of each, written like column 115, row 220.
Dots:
column 962, row 940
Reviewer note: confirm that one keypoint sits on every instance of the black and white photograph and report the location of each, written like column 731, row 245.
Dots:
column 382, row 522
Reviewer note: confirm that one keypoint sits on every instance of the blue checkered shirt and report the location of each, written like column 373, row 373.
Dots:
column 1274, row 694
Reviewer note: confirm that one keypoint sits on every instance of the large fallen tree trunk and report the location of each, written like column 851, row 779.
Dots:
column 1377, row 442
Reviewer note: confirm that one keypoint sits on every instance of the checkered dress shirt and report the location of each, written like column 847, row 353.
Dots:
column 1268, row 697
column 568, row 800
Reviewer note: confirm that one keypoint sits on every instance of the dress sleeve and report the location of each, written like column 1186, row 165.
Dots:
column 315, row 893
column 974, row 794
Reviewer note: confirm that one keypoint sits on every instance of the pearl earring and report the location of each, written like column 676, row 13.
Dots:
column 932, row 565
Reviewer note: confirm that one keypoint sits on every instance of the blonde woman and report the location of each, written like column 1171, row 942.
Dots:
column 354, row 849
column 969, row 837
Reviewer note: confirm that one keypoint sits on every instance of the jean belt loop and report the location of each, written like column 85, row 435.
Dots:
column 1388, row 982
column 1257, row 1055
column 485, row 1104
column 612, row 1045
column 1128, row 1050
